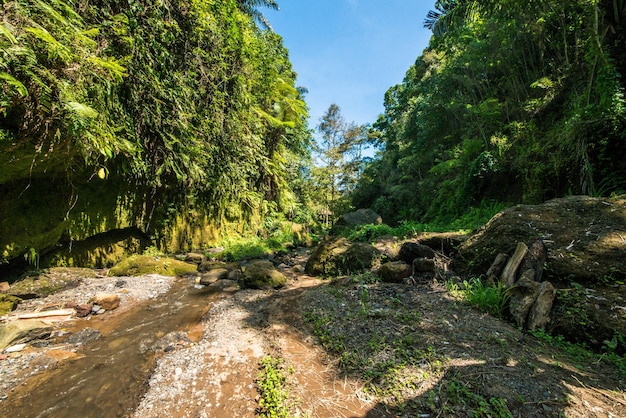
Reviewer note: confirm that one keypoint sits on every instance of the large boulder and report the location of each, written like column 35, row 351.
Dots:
column 584, row 237
column 138, row 265
column 336, row 256
column 358, row 218
column 262, row 274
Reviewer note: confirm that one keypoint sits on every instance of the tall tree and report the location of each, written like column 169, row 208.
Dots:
column 339, row 152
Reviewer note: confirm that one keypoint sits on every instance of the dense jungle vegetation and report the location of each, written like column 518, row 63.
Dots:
column 513, row 101
column 174, row 117
column 182, row 120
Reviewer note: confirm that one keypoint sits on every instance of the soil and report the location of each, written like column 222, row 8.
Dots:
column 352, row 347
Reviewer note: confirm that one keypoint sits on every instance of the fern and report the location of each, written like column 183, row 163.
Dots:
column 16, row 84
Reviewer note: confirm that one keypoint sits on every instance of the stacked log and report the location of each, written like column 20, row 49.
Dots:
column 530, row 299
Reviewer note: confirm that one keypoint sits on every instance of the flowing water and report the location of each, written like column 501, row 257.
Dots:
column 111, row 378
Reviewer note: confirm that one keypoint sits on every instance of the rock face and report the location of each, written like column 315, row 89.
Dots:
column 584, row 237
column 394, row 271
column 262, row 274
column 337, row 256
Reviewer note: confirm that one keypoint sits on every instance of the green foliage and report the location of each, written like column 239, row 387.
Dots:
column 463, row 394
column 272, row 388
column 511, row 102
column 490, row 299
column 189, row 105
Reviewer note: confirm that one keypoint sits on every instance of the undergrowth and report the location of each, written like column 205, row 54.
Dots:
column 490, row 299
column 272, row 387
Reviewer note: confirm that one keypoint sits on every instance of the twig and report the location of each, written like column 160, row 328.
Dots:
column 601, row 392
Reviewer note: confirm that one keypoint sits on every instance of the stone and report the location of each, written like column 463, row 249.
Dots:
column 82, row 310
column 84, row 336
column 107, row 301
column 4, row 287
column 212, row 265
column 394, row 271
column 523, row 296
column 8, row 303
column 337, row 256
column 15, row 348
column 194, row 258
column 22, row 330
column 212, row 276
column 262, row 274
column 539, row 313
column 423, row 265
column 412, row 250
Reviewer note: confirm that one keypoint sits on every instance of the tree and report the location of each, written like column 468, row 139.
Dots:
column 250, row 7
column 339, row 152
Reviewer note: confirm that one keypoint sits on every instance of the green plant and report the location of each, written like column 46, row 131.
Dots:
column 489, row 299
column 272, row 387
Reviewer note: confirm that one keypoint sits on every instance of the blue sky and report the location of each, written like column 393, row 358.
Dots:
column 349, row 52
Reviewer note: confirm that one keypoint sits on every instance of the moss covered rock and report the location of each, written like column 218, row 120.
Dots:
column 8, row 303
column 262, row 274
column 336, row 256
column 48, row 282
column 138, row 265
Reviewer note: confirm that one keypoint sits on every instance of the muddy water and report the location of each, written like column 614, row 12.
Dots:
column 112, row 377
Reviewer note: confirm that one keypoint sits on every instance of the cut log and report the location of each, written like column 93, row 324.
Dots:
column 523, row 296
column 538, row 316
column 496, row 268
column 535, row 259
column 508, row 275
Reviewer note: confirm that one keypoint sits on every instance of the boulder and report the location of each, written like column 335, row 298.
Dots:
column 394, row 271
column 584, row 238
column 262, row 274
column 337, row 256
column 106, row 301
column 359, row 217
column 412, row 250
column 138, row 265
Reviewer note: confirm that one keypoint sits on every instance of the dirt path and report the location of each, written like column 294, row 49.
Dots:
column 357, row 348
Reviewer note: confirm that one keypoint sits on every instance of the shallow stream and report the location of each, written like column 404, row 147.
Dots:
column 111, row 378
